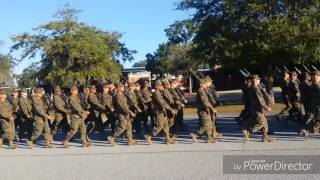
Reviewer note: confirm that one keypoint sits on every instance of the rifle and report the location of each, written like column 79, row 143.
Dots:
column 211, row 89
column 298, row 70
column 306, row 69
column 314, row 68
column 211, row 98
column 246, row 74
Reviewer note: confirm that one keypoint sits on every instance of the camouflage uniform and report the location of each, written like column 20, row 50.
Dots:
column 161, row 108
column 40, row 116
column 146, row 107
column 107, row 101
column 295, row 100
column 123, row 113
column 147, row 95
column 205, row 109
column 77, row 119
column 60, row 113
column 284, row 85
column 178, row 102
column 313, row 117
column 258, row 106
column 7, row 122
column 78, row 116
column 96, row 108
column 170, row 101
column 26, row 116
column 134, row 106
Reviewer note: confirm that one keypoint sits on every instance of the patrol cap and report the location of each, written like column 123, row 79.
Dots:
column 24, row 90
column 293, row 73
column 158, row 83
column 120, row 85
column 93, row 87
column 57, row 89
column 208, row 79
column 165, row 82
column 132, row 84
column 315, row 73
column 3, row 92
column 15, row 91
column 203, row 81
column 256, row 76
column 38, row 90
column 74, row 88
column 105, row 85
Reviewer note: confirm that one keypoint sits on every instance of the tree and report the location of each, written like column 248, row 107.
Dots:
column 255, row 33
column 6, row 67
column 28, row 78
column 141, row 63
column 72, row 52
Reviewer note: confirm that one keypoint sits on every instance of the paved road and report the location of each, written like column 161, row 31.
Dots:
column 183, row 160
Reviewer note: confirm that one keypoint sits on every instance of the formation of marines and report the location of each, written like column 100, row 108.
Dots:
column 134, row 111
column 297, row 96
column 125, row 108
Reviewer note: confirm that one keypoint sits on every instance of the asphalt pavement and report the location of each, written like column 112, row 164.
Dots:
column 183, row 160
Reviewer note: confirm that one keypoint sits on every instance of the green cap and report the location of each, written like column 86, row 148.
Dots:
column 57, row 89
column 158, row 82
column 38, row 90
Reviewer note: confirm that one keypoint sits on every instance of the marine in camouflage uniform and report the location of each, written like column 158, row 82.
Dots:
column 284, row 85
column 259, row 105
column 161, row 108
column 179, row 104
column 6, row 120
column 61, row 110
column 107, row 101
column 312, row 118
column 124, row 115
column 213, row 100
column 145, row 98
column 205, row 109
column 134, row 107
column 14, row 101
column 244, row 117
column 78, row 115
column 168, row 97
column 306, row 93
column 41, row 117
column 295, row 100
column 96, row 108
column 26, row 113
column 147, row 95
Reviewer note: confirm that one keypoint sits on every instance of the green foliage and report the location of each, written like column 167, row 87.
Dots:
column 142, row 63
column 28, row 78
column 72, row 52
column 254, row 33
column 6, row 67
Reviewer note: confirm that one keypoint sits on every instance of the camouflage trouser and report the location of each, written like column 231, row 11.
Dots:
column 206, row 123
column 171, row 118
column 77, row 124
column 124, row 125
column 8, row 130
column 39, row 126
column 214, row 121
column 297, row 114
column 261, row 122
column 161, row 124
column 58, row 119
column 287, row 104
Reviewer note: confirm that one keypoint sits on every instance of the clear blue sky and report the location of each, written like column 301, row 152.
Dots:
column 142, row 22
